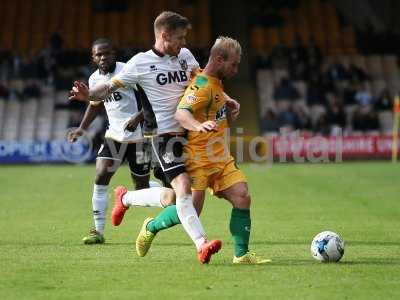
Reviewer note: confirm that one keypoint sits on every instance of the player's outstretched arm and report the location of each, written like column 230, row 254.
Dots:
column 92, row 111
column 187, row 121
column 81, row 91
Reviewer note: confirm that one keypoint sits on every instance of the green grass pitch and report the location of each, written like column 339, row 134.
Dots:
column 46, row 210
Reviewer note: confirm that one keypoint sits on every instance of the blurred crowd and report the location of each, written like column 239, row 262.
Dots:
column 337, row 96
column 54, row 69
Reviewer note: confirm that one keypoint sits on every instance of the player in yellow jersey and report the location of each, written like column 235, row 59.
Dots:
column 203, row 112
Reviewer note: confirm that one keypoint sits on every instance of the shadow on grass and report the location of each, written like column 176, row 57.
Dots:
column 348, row 242
column 281, row 262
column 373, row 243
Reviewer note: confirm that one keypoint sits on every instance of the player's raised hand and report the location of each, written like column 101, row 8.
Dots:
column 79, row 91
column 73, row 135
column 233, row 108
column 208, row 126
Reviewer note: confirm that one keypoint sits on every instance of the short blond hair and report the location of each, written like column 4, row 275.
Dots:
column 224, row 46
column 169, row 21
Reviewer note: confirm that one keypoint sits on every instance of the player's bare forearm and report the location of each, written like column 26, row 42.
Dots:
column 186, row 119
column 81, row 92
column 92, row 111
column 132, row 124
column 101, row 91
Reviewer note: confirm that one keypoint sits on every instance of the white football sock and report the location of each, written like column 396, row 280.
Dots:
column 190, row 220
column 143, row 197
column 99, row 202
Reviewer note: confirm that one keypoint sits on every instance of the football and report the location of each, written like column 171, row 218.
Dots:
column 327, row 246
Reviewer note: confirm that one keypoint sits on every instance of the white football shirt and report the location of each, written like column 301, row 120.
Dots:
column 163, row 79
column 121, row 106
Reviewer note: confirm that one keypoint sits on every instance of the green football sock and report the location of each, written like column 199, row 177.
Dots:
column 167, row 218
column 240, row 226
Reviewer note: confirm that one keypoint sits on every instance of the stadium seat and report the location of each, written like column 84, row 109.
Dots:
column 374, row 66
column 278, row 74
column 23, row 29
column 273, row 38
column 112, row 28
column 38, row 26
column 359, row 61
column 128, row 19
column 344, row 59
column 69, row 25
column 11, row 120
column 378, row 86
column 60, row 126
column 349, row 40
column 2, row 107
column 349, row 111
column 258, row 39
column 390, row 67
column 28, row 119
column 45, row 118
column 301, row 24
column 204, row 24
column 394, row 85
column 98, row 25
column 332, row 27
column 61, row 97
column 8, row 24
column 386, row 122
column 301, row 86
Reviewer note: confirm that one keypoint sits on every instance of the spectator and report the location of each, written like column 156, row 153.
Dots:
column 269, row 123
column 56, row 42
column 287, row 120
column 297, row 60
column 349, row 94
column 4, row 92
column 384, row 101
column 314, row 56
column 363, row 96
column 280, row 57
column 335, row 115
column 303, row 120
column 365, row 120
column 356, row 74
column 322, row 126
column 315, row 92
column 336, row 72
column 286, row 91
column 285, row 94
column 31, row 90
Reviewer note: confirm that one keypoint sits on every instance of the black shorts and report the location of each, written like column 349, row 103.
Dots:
column 137, row 154
column 168, row 152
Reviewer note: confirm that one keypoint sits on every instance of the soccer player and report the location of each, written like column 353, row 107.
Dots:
column 163, row 72
column 123, row 140
column 203, row 112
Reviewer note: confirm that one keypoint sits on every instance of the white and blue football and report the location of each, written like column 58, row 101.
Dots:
column 327, row 246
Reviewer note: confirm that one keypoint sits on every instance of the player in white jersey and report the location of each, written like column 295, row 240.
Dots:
column 123, row 140
column 164, row 72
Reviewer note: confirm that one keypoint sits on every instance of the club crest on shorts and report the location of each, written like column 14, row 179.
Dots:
column 183, row 64
column 168, row 157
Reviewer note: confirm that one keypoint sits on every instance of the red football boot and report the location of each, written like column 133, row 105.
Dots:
column 207, row 249
column 119, row 208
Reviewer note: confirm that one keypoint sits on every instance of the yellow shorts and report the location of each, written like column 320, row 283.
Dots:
column 217, row 176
